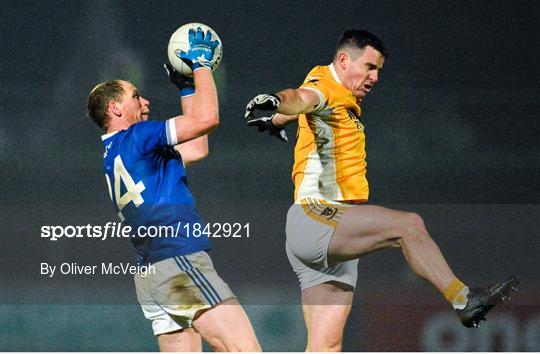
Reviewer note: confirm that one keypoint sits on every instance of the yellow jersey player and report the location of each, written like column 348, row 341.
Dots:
column 328, row 226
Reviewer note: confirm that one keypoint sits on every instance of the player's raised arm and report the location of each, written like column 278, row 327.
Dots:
column 280, row 109
column 196, row 149
column 203, row 117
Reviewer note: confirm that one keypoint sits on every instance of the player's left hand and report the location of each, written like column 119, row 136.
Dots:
column 265, row 124
column 201, row 49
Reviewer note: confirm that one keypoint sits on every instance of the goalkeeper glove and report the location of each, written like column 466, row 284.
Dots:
column 201, row 49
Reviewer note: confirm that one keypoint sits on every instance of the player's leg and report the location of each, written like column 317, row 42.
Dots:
column 326, row 308
column 226, row 327
column 223, row 325
column 172, row 335
column 183, row 340
column 365, row 228
column 186, row 292
column 327, row 291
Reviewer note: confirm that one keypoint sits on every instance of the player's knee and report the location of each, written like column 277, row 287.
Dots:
column 241, row 346
column 329, row 342
column 219, row 344
column 333, row 346
column 219, row 347
column 415, row 222
column 412, row 228
column 235, row 343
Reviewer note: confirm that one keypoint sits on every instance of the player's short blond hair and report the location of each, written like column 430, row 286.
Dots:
column 99, row 99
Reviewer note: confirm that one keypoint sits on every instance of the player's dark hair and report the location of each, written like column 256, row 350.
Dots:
column 99, row 98
column 360, row 39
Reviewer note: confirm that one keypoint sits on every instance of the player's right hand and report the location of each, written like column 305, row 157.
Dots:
column 263, row 102
column 185, row 84
column 201, row 49
column 269, row 104
column 265, row 124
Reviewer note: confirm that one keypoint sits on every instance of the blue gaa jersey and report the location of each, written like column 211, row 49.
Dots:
column 147, row 181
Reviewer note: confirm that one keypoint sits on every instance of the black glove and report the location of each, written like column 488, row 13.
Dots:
column 265, row 123
column 185, row 84
column 268, row 103
column 263, row 102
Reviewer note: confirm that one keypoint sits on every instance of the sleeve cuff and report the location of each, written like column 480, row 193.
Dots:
column 322, row 99
column 187, row 91
column 170, row 127
column 199, row 67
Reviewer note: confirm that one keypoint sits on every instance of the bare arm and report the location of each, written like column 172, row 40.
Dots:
column 203, row 116
column 196, row 149
column 294, row 102
column 275, row 111
column 281, row 120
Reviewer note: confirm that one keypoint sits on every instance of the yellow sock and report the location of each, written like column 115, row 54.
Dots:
column 456, row 294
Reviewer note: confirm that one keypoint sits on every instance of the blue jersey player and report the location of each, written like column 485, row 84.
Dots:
column 144, row 166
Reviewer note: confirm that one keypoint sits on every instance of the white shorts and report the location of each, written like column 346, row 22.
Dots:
column 180, row 287
column 310, row 227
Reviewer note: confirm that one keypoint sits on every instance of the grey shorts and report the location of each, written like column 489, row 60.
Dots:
column 310, row 227
column 180, row 287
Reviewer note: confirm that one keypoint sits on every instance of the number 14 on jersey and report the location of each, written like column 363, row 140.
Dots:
column 133, row 190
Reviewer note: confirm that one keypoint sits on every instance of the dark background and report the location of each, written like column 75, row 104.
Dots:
column 452, row 132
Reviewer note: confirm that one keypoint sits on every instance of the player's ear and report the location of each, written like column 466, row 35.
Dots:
column 114, row 108
column 343, row 59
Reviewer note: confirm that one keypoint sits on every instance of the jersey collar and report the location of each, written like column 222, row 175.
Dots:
column 107, row 136
column 334, row 74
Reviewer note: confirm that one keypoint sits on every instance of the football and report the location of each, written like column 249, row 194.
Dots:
column 180, row 42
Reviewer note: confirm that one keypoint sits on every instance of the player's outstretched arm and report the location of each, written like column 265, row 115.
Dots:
column 281, row 120
column 297, row 101
column 272, row 112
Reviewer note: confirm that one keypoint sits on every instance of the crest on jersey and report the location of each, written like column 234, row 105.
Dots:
column 356, row 119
